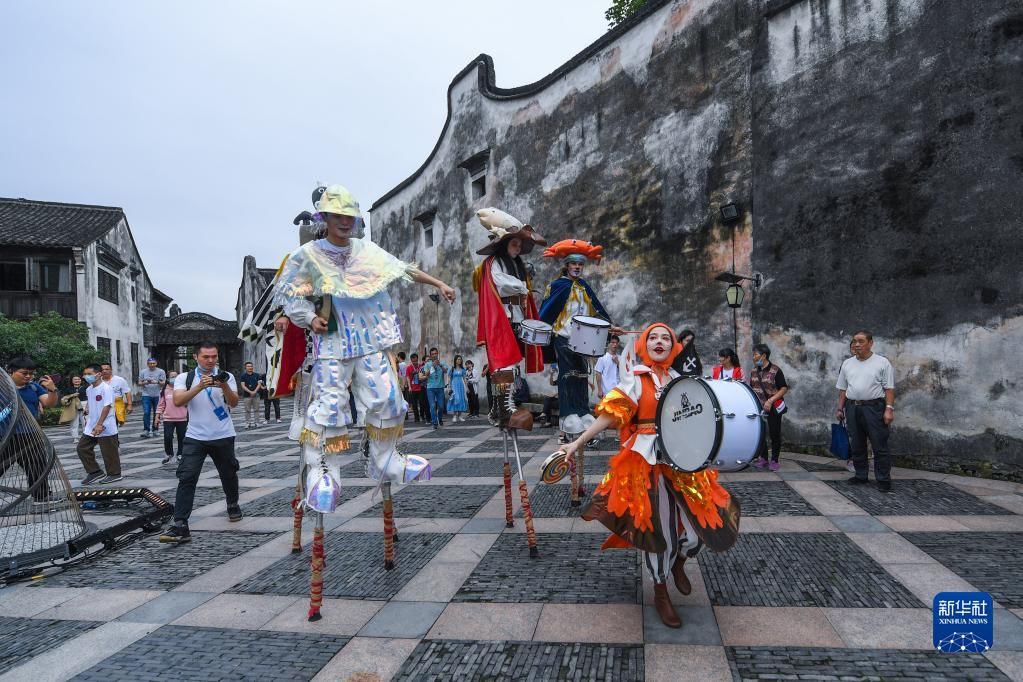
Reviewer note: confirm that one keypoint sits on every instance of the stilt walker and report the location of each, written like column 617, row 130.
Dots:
column 566, row 297
column 505, row 302
column 337, row 288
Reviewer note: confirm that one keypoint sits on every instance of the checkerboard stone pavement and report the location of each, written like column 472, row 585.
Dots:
column 827, row 580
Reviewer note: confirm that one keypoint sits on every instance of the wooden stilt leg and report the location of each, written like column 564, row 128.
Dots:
column 574, row 483
column 509, row 521
column 527, row 509
column 527, row 513
column 296, row 506
column 581, row 471
column 316, row 582
column 388, row 528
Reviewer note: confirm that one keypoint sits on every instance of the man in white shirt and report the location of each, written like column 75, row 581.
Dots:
column 209, row 394
column 122, row 394
column 100, row 429
column 866, row 399
column 607, row 367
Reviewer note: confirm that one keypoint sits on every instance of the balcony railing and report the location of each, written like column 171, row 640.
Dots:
column 22, row 304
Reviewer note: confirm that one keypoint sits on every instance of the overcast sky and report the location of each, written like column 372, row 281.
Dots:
column 210, row 122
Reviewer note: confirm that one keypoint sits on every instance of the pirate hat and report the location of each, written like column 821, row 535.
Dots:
column 503, row 228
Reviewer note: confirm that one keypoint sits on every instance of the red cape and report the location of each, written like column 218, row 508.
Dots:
column 292, row 356
column 494, row 330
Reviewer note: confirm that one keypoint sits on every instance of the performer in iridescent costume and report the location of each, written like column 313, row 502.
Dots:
column 337, row 287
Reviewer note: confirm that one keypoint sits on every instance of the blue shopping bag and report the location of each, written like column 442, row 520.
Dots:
column 840, row 440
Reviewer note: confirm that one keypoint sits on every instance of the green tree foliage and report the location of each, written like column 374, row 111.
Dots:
column 621, row 10
column 57, row 344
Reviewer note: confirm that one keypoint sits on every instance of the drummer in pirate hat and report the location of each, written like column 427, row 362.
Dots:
column 504, row 284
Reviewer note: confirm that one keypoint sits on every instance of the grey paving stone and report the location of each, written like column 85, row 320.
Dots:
column 279, row 503
column 699, row 626
column 836, row 465
column 483, row 525
column 800, row 569
column 404, row 619
column 774, row 663
column 450, row 432
column 858, row 524
column 175, row 653
column 24, row 638
column 552, row 501
column 428, row 446
column 355, row 567
column 474, row 466
column 915, row 497
column 277, row 469
column 989, row 561
column 571, row 569
column 167, row 607
column 527, row 446
column 478, row 661
column 149, row 565
column 769, row 498
column 438, row 501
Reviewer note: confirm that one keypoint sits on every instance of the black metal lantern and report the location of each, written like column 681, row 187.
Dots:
column 734, row 294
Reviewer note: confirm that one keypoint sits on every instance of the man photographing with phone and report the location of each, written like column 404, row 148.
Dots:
column 209, row 394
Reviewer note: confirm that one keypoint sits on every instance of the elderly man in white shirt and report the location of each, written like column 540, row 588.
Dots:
column 866, row 399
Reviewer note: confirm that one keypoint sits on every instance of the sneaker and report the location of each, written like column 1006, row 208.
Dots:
column 884, row 486
column 111, row 479
column 176, row 534
column 774, row 466
column 144, row 434
column 278, row 421
column 856, row 480
column 234, row 513
column 759, row 463
column 850, row 467
column 435, row 427
column 93, row 477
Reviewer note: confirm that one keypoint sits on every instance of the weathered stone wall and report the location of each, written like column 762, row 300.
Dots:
column 874, row 146
column 888, row 156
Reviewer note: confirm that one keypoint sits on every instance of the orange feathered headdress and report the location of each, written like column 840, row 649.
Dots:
column 644, row 357
column 572, row 247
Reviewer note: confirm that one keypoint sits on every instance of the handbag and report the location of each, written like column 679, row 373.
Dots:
column 840, row 440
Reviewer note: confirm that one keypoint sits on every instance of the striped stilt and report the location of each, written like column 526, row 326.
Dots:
column 316, row 582
column 388, row 528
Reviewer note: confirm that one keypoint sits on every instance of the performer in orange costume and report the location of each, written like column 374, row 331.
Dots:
column 665, row 513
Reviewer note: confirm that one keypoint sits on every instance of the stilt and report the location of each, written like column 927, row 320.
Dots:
column 316, row 583
column 388, row 528
column 573, row 471
column 527, row 509
column 509, row 520
column 580, row 472
column 296, row 506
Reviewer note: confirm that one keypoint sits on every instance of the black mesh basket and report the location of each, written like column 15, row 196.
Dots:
column 39, row 513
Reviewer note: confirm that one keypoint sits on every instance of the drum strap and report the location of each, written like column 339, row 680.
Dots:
column 646, row 421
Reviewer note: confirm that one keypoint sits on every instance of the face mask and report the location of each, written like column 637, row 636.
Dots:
column 759, row 363
column 90, row 378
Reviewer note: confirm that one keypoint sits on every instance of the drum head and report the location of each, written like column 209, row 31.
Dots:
column 688, row 424
column 536, row 324
column 588, row 321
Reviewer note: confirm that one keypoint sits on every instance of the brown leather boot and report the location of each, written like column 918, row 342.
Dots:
column 678, row 572
column 662, row 602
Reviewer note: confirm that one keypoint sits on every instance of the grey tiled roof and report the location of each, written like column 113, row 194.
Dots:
column 25, row 222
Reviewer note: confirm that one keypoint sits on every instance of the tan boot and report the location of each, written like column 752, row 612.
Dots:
column 678, row 572
column 662, row 602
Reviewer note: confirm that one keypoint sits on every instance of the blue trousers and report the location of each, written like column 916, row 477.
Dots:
column 149, row 404
column 866, row 422
column 436, row 398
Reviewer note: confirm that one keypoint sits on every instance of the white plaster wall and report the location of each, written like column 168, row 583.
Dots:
column 813, row 31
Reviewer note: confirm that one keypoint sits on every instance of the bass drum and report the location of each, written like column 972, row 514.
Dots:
column 708, row 423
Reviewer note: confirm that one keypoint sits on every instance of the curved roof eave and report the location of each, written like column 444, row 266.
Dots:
column 487, row 83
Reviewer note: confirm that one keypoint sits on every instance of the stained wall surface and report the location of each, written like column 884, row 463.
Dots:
column 876, row 151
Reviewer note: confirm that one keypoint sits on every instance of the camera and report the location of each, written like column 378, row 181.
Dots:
column 222, row 377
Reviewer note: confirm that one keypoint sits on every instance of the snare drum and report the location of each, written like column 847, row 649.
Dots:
column 535, row 332
column 715, row 423
column 588, row 335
